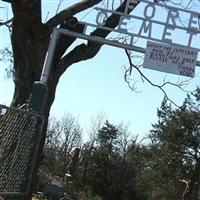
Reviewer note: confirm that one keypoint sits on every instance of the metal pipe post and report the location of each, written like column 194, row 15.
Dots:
column 49, row 56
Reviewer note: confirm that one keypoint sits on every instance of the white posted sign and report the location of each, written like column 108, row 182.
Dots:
column 170, row 58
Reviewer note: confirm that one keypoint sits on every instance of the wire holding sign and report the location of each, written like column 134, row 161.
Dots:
column 170, row 58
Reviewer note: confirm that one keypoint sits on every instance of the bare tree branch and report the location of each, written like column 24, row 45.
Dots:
column 71, row 11
column 5, row 22
column 89, row 50
column 161, row 87
column 58, row 7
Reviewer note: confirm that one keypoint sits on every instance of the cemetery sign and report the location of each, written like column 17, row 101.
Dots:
column 170, row 58
column 151, row 21
column 158, row 22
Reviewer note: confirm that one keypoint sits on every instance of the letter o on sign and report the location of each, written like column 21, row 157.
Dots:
column 101, row 17
column 149, row 11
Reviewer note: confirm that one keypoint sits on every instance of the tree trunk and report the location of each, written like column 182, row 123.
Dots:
column 30, row 42
column 30, row 39
column 194, row 184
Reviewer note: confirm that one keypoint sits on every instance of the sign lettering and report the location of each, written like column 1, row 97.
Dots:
column 170, row 58
column 169, row 55
column 168, row 24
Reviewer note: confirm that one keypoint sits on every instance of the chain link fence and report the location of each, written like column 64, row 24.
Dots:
column 19, row 138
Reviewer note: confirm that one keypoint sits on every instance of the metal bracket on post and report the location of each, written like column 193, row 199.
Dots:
column 38, row 97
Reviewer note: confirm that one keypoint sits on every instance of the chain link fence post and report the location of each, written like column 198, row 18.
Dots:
column 20, row 135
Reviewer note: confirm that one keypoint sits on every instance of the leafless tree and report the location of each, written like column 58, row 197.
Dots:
column 128, row 73
column 64, row 136
column 30, row 38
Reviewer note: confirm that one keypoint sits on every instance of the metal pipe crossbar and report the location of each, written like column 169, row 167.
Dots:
column 55, row 35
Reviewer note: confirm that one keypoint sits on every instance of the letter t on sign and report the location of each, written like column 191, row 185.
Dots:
column 173, row 14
